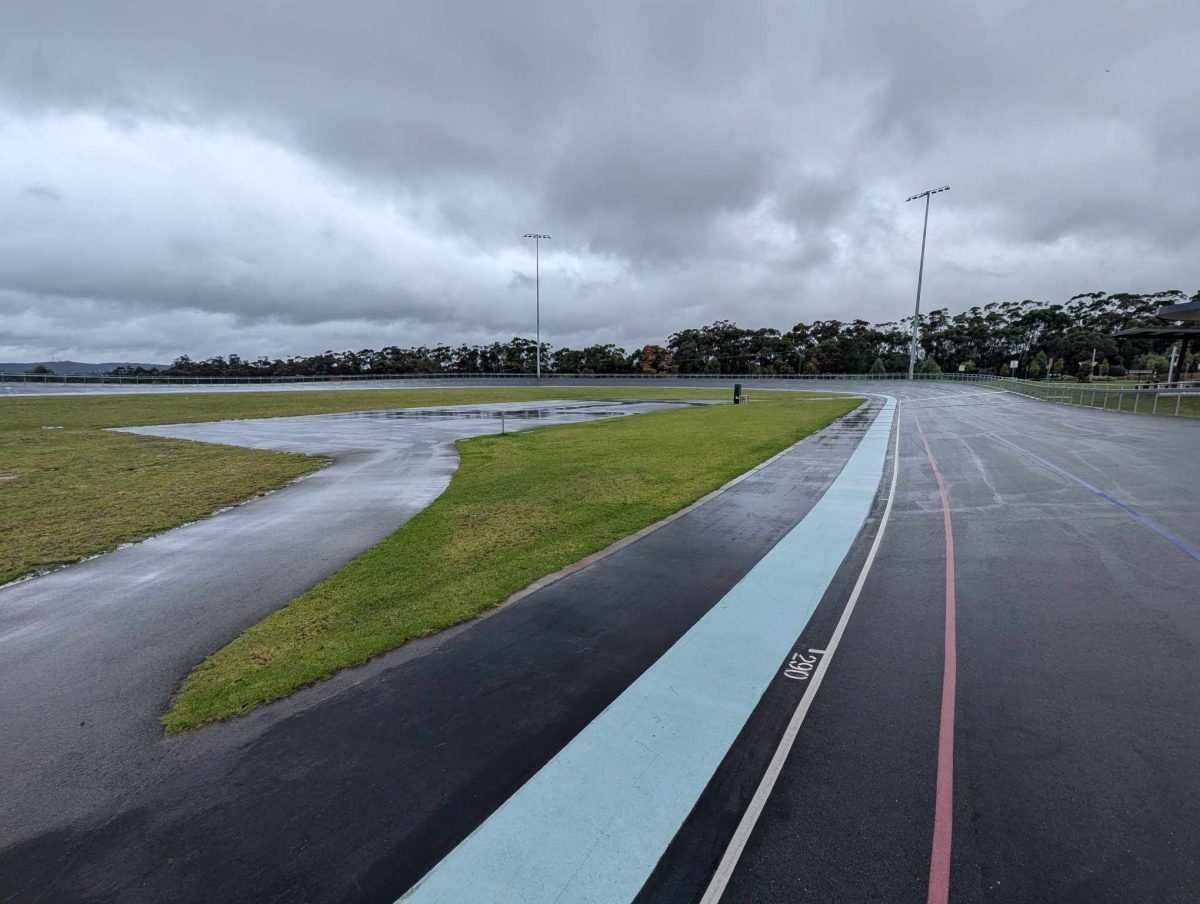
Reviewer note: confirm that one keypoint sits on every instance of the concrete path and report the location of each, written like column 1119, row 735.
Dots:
column 90, row 654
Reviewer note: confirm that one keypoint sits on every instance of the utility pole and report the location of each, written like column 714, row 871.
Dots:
column 912, row 347
column 537, row 289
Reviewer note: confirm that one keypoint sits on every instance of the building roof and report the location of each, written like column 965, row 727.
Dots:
column 1189, row 310
column 1159, row 332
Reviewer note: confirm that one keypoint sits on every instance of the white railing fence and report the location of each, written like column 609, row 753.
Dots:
column 1178, row 398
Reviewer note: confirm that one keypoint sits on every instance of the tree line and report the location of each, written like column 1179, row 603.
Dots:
column 1044, row 339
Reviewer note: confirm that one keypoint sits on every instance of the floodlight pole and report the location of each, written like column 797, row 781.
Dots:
column 537, row 289
column 912, row 346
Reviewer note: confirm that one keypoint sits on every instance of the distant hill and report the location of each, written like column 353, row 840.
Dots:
column 74, row 367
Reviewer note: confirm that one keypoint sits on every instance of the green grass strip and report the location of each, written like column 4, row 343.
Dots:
column 519, row 507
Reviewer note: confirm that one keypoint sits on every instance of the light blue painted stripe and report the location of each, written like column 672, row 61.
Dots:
column 593, row 822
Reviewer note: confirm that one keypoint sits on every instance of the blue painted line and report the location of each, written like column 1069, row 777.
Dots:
column 1150, row 523
column 593, row 822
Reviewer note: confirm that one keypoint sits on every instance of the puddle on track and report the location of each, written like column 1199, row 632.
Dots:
column 605, row 409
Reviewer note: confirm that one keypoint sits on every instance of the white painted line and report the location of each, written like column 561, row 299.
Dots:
column 741, row 835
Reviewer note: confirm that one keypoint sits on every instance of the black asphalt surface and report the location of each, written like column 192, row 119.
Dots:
column 1077, row 728
column 1078, row 661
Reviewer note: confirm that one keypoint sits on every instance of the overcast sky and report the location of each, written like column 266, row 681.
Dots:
column 286, row 177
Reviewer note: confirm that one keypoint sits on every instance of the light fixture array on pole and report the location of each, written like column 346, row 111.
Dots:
column 912, row 347
column 537, row 288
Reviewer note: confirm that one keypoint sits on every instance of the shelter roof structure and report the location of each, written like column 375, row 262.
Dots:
column 1159, row 332
column 1189, row 310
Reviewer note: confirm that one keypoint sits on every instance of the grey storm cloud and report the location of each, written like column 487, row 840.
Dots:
column 273, row 178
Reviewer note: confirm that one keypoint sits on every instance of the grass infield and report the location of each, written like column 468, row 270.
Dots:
column 70, row 489
column 69, row 493
column 519, row 507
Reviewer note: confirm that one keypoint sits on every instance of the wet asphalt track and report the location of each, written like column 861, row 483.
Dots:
column 90, row 654
column 1078, row 656
column 1076, row 728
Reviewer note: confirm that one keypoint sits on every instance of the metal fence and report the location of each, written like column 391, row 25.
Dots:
column 147, row 379
column 1180, row 398
column 1177, row 399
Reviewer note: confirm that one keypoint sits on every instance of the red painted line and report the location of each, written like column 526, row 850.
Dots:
column 943, row 808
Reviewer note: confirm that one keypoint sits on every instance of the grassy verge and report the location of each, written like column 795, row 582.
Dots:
column 520, row 506
column 70, row 489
